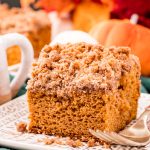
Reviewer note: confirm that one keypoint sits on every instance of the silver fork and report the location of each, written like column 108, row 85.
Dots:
column 137, row 134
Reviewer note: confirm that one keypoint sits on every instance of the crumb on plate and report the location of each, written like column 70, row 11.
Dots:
column 21, row 126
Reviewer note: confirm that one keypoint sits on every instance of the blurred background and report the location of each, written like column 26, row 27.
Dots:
column 110, row 22
column 92, row 10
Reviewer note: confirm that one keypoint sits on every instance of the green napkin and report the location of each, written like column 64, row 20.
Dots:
column 146, row 83
column 22, row 89
column 143, row 89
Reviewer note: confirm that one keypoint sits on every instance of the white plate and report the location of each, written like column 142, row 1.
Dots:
column 16, row 110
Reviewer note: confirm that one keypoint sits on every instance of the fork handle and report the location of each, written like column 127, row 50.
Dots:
column 147, row 108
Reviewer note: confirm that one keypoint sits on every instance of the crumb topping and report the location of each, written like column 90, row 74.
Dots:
column 21, row 127
column 21, row 20
column 65, row 70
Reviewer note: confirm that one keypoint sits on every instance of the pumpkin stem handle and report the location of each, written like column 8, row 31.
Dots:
column 134, row 19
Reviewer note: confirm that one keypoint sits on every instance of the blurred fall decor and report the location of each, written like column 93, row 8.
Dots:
column 125, row 8
column 84, row 13
column 88, row 13
column 60, row 6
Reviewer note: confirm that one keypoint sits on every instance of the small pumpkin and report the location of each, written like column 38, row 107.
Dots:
column 124, row 33
column 88, row 13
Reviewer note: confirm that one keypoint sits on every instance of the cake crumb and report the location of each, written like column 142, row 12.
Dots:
column 21, row 127
column 39, row 140
column 59, row 142
column 78, row 143
column 97, row 144
column 106, row 145
column 71, row 143
column 91, row 143
column 83, row 139
column 48, row 141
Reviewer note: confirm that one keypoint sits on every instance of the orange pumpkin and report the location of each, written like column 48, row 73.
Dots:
column 88, row 13
column 123, row 33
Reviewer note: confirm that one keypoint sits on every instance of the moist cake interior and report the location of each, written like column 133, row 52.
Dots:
column 79, row 86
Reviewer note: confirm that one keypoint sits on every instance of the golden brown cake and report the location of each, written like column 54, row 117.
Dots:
column 79, row 86
column 34, row 25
